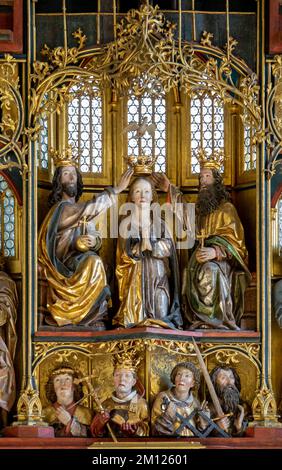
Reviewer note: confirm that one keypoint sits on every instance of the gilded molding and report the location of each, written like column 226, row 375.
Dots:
column 12, row 116
column 8, row 71
column 29, row 408
column 264, row 408
column 274, row 116
column 44, row 349
column 225, row 353
column 156, row 357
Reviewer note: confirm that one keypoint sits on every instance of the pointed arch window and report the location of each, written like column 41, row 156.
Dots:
column 42, row 149
column 206, row 125
column 250, row 151
column 7, row 217
column 280, row 227
column 148, row 111
column 85, row 130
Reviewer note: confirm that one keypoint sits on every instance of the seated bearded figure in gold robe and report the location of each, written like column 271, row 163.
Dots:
column 217, row 275
column 147, row 268
column 78, row 293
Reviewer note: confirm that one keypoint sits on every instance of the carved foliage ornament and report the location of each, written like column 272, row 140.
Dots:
column 274, row 116
column 264, row 406
column 11, row 120
column 146, row 52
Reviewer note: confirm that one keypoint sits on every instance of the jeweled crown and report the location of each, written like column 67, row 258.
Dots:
column 142, row 164
column 63, row 158
column 212, row 161
column 126, row 360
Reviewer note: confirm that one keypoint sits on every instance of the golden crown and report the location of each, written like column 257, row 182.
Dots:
column 126, row 360
column 212, row 161
column 63, row 158
column 142, row 164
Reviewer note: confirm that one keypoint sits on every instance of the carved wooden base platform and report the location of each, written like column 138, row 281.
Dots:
column 29, row 431
column 57, row 334
column 256, row 438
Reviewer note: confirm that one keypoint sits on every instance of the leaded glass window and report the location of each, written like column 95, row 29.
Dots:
column 7, row 218
column 149, row 113
column 85, row 131
column 207, row 125
column 43, row 144
column 250, row 152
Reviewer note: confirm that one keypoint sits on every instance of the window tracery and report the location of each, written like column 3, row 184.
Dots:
column 7, row 217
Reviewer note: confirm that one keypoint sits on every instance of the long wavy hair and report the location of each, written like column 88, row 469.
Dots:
column 57, row 188
column 50, row 389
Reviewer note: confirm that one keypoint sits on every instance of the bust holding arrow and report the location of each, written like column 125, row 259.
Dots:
column 64, row 413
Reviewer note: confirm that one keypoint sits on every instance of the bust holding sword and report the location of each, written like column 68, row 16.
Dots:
column 177, row 412
column 224, row 388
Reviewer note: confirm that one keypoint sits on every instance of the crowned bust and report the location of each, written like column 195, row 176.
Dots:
column 126, row 360
column 215, row 160
column 64, row 157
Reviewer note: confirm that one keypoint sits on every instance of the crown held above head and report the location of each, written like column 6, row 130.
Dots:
column 64, row 157
column 213, row 161
column 142, row 164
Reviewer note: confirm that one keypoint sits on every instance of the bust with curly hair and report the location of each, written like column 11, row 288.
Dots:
column 179, row 399
column 65, row 414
